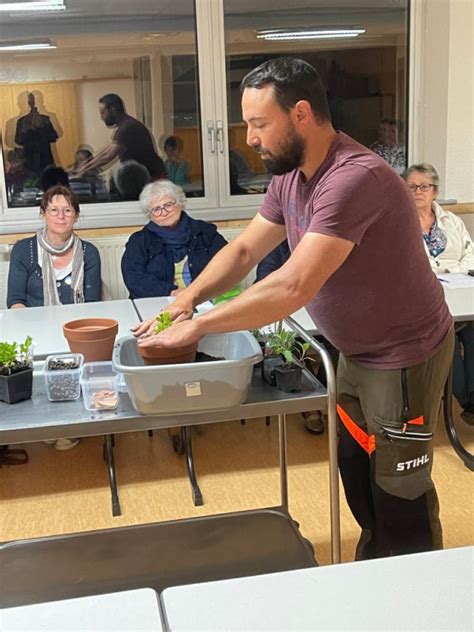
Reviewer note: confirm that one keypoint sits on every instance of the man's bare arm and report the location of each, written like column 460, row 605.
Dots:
column 281, row 293
column 229, row 266
column 232, row 264
column 105, row 156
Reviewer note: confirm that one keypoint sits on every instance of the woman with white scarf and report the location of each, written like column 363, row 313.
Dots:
column 450, row 248
column 54, row 267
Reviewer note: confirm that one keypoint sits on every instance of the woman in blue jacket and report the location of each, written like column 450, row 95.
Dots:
column 172, row 249
column 54, row 267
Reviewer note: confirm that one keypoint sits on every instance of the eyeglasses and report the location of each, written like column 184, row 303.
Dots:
column 53, row 210
column 423, row 187
column 166, row 208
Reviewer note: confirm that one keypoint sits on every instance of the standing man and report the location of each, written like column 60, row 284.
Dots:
column 358, row 265
column 130, row 141
column 35, row 133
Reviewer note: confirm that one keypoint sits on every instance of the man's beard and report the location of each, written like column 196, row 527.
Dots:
column 289, row 157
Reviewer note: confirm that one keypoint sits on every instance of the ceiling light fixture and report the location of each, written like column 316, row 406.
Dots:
column 34, row 5
column 281, row 34
column 19, row 46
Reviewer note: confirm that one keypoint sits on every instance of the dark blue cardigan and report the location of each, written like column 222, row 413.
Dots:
column 25, row 277
column 147, row 263
column 274, row 260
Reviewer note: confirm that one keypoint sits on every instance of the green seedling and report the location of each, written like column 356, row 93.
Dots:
column 14, row 357
column 285, row 343
column 163, row 321
column 8, row 351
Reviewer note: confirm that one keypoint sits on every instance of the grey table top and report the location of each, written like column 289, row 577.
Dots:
column 425, row 591
column 37, row 419
column 133, row 610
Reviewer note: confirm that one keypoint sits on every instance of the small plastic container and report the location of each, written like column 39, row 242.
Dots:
column 63, row 384
column 99, row 384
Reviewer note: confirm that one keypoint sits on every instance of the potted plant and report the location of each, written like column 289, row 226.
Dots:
column 284, row 368
column 16, row 371
column 157, row 355
column 261, row 337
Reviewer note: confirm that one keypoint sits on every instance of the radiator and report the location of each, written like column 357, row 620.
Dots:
column 111, row 250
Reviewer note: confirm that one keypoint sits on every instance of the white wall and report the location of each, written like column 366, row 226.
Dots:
column 442, row 86
column 460, row 128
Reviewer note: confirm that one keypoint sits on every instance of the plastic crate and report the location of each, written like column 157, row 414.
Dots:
column 196, row 386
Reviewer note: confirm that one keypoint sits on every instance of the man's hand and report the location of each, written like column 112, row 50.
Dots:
column 178, row 335
column 146, row 327
column 177, row 291
column 179, row 311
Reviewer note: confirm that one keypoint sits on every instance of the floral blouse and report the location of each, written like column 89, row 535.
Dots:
column 435, row 240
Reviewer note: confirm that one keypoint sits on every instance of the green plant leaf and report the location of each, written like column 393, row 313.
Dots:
column 163, row 321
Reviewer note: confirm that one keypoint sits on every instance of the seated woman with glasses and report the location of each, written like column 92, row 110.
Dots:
column 172, row 249
column 450, row 248
column 54, row 267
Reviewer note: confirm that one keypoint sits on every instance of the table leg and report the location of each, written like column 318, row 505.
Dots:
column 283, row 463
column 109, row 457
column 197, row 495
column 464, row 455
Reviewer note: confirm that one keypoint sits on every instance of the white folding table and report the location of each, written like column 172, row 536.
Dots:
column 45, row 324
column 425, row 591
column 131, row 610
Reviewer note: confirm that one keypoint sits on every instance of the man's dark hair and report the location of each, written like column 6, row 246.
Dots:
column 113, row 102
column 293, row 80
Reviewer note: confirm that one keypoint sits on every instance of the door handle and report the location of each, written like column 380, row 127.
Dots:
column 220, row 136
column 211, row 136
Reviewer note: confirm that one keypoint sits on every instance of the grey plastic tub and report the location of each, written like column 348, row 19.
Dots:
column 178, row 388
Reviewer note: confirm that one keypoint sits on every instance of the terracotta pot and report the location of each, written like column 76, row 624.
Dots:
column 93, row 337
column 179, row 355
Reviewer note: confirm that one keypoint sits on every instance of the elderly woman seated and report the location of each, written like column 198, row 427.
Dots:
column 172, row 249
column 450, row 248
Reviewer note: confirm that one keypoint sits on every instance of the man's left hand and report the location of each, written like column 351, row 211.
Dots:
column 181, row 334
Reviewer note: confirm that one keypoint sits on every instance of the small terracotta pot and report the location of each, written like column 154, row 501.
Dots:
column 179, row 355
column 93, row 337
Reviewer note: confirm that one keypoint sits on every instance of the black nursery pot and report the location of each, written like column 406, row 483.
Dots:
column 268, row 368
column 17, row 387
column 288, row 377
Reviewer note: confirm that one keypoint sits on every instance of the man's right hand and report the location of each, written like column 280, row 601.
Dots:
column 178, row 309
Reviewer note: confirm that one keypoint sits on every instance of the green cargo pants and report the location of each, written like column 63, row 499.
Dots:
column 387, row 421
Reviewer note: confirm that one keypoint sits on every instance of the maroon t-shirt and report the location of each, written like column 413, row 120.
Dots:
column 384, row 307
column 136, row 143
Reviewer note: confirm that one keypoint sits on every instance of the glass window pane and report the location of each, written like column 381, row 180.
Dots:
column 360, row 48
column 144, row 52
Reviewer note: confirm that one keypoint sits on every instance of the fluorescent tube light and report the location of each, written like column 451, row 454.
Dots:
column 279, row 35
column 37, row 5
column 19, row 46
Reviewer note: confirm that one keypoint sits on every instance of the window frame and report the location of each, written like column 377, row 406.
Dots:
column 218, row 203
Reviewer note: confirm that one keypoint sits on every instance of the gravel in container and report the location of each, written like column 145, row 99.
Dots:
column 62, row 375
